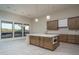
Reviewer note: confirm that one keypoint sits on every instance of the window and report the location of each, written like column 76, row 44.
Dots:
column 6, row 29
column 63, row 23
column 17, row 30
column 26, row 29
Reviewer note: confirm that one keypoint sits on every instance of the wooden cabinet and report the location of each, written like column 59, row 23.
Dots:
column 41, row 41
column 77, row 23
column 63, row 37
column 71, row 39
column 77, row 39
column 73, row 23
column 52, row 25
column 34, row 40
column 48, row 43
column 44, row 42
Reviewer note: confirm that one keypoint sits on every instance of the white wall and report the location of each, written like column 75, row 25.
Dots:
column 40, row 26
column 7, row 16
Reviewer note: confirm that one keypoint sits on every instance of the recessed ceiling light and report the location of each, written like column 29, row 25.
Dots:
column 36, row 20
column 48, row 17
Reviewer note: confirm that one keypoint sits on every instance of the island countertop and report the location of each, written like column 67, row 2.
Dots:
column 44, row 35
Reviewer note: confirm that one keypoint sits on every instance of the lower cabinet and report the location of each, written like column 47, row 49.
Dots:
column 41, row 42
column 34, row 40
column 44, row 42
column 69, row 38
column 48, row 43
column 63, row 38
column 77, row 39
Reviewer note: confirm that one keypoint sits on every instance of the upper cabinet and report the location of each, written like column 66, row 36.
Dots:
column 70, row 23
column 73, row 23
column 63, row 23
column 52, row 25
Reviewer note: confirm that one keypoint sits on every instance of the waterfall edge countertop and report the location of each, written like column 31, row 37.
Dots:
column 44, row 35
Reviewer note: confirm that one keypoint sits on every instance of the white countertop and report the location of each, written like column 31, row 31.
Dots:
column 44, row 35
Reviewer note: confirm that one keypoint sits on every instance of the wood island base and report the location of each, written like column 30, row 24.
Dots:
column 45, row 42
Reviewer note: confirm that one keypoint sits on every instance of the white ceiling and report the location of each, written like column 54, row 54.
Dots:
column 33, row 10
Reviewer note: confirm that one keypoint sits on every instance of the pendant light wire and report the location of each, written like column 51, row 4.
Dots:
column 48, row 16
column 36, row 8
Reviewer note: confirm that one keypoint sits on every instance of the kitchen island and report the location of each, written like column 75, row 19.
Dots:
column 46, row 41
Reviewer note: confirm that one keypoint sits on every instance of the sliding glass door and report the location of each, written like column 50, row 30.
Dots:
column 26, row 29
column 17, row 30
column 6, row 29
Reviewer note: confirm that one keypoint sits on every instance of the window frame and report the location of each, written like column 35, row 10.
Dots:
column 24, row 31
column 14, row 29
column 1, row 28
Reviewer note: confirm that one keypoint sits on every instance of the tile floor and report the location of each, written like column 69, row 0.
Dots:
column 21, row 47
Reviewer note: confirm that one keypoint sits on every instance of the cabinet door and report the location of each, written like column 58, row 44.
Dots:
column 63, row 38
column 77, row 39
column 41, row 42
column 71, row 38
column 34, row 40
column 73, row 23
column 48, row 43
column 52, row 25
column 77, row 23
